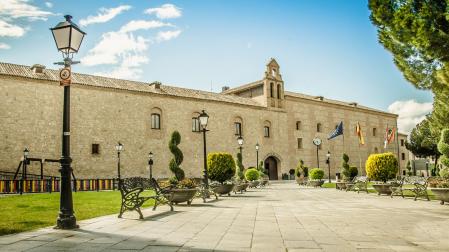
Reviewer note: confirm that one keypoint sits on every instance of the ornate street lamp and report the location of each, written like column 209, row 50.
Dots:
column 68, row 38
column 240, row 142
column 150, row 164
column 257, row 155
column 26, row 152
column 204, row 118
column 119, row 149
column 328, row 161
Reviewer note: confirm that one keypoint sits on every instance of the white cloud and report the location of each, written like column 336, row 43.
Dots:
column 165, row 11
column 49, row 4
column 167, row 35
column 410, row 113
column 4, row 46
column 113, row 47
column 10, row 30
column 135, row 25
column 104, row 15
column 14, row 9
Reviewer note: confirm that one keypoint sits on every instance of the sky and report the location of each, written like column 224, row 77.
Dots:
column 324, row 47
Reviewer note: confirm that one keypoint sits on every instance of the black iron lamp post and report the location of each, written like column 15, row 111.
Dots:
column 119, row 149
column 240, row 142
column 328, row 161
column 257, row 155
column 68, row 38
column 204, row 118
column 26, row 153
column 427, row 168
column 150, row 164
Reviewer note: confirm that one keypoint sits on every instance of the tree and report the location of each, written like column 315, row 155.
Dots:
column 423, row 141
column 178, row 157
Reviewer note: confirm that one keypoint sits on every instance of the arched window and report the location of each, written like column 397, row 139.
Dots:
column 271, row 89
column 238, row 126
column 266, row 129
column 279, row 91
column 156, row 118
column 318, row 127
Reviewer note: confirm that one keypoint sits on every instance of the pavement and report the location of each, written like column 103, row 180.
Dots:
column 279, row 217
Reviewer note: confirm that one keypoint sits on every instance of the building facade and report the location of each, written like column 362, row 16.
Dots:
column 142, row 117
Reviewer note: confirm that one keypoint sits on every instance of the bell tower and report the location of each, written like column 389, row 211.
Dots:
column 274, row 85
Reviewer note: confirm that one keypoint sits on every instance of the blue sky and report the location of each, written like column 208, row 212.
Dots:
column 324, row 47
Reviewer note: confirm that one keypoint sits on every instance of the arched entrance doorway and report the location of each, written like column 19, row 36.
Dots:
column 271, row 166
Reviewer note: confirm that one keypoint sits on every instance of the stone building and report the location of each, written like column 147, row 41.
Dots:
column 142, row 116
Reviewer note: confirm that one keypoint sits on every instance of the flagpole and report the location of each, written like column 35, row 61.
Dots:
column 360, row 161
column 397, row 141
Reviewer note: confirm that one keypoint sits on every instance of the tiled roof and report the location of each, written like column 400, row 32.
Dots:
column 340, row 103
column 104, row 82
column 243, row 87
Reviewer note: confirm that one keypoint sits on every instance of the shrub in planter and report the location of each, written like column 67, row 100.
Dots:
column 316, row 174
column 178, row 157
column 381, row 167
column 220, row 166
column 252, row 174
column 240, row 167
column 345, row 168
column 353, row 171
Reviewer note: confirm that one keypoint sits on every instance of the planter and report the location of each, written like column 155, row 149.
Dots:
column 240, row 187
column 183, row 195
column 316, row 183
column 224, row 189
column 341, row 185
column 254, row 184
column 264, row 183
column 383, row 189
column 442, row 194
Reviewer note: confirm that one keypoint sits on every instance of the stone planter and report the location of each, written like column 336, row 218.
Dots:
column 224, row 189
column 382, row 189
column 316, row 183
column 340, row 185
column 264, row 182
column 183, row 195
column 254, row 183
column 442, row 194
column 240, row 187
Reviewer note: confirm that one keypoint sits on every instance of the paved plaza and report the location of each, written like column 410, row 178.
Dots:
column 280, row 217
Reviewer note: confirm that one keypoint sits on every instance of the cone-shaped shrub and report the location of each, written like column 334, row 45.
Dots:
column 178, row 157
column 381, row 167
column 220, row 166
column 240, row 167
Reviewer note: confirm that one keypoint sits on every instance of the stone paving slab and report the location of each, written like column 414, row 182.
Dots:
column 279, row 217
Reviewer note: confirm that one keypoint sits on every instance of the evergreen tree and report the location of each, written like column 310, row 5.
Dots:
column 423, row 141
column 178, row 157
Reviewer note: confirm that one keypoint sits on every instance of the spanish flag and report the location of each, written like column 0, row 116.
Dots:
column 358, row 131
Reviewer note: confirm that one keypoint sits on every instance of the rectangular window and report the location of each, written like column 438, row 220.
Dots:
column 299, row 143
column 298, row 125
column 403, row 156
column 266, row 131
column 318, row 127
column 374, row 131
column 155, row 121
column 402, row 142
column 195, row 124
column 238, row 129
column 95, row 149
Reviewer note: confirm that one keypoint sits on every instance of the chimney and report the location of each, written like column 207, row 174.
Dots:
column 224, row 88
column 353, row 104
column 37, row 68
column 319, row 98
column 156, row 84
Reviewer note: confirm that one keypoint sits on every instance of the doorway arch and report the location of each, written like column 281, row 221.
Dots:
column 271, row 167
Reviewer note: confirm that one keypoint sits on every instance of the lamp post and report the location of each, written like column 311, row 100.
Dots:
column 427, row 168
column 204, row 118
column 257, row 155
column 328, row 161
column 26, row 152
column 119, row 149
column 150, row 164
column 68, row 38
column 240, row 142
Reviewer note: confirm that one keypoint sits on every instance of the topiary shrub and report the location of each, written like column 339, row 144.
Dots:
column 252, row 174
column 443, row 147
column 301, row 169
column 240, row 167
column 176, row 161
column 381, row 167
column 353, row 171
column 316, row 174
column 220, row 166
column 409, row 169
column 345, row 168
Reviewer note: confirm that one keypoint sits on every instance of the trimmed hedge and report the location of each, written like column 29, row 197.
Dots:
column 316, row 174
column 220, row 166
column 252, row 174
column 381, row 167
column 353, row 171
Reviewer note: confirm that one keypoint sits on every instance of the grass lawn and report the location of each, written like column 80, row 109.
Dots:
column 31, row 211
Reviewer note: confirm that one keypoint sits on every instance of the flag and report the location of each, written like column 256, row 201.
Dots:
column 338, row 131
column 389, row 136
column 359, row 132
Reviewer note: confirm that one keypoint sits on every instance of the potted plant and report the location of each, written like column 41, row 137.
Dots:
column 440, row 186
column 221, row 168
column 252, row 175
column 346, row 173
column 301, row 173
column 263, row 174
column 316, row 177
column 240, row 183
column 381, row 168
column 183, row 190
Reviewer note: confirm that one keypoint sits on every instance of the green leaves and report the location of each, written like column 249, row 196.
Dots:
column 178, row 157
column 381, row 167
column 220, row 166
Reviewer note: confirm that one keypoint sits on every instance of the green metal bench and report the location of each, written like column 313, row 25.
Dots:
column 415, row 184
column 359, row 183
